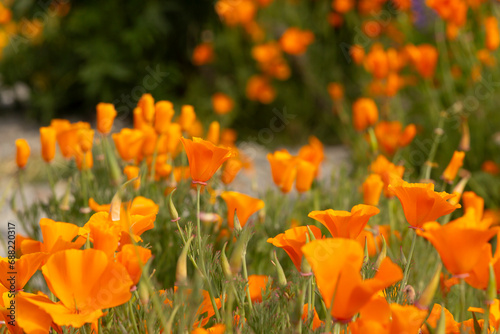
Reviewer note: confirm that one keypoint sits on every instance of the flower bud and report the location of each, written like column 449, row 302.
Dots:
column 226, row 268
column 181, row 278
column 426, row 298
column 491, row 291
column 237, row 225
column 282, row 282
column 174, row 216
column 143, row 293
column 382, row 255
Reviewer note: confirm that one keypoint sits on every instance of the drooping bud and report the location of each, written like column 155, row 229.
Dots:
column 174, row 216
column 226, row 268
column 181, row 272
column 282, row 282
column 491, row 292
column 426, row 298
column 382, row 255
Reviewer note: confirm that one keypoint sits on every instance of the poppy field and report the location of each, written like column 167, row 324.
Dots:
column 166, row 224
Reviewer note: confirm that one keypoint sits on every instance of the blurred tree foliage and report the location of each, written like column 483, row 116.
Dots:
column 109, row 51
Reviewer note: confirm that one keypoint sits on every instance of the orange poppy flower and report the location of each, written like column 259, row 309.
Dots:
column 372, row 187
column 373, row 238
column 295, row 41
column 283, row 169
column 406, row 318
column 257, row 285
column 82, row 296
column 244, row 206
column 336, row 91
column 147, row 105
column 84, row 161
column 344, row 224
column 342, row 6
column 435, row 315
column 316, row 322
column 492, row 33
column 490, row 167
column 203, row 54
column 85, row 139
column 231, row 169
column 22, row 153
column 424, row 58
column 106, row 114
column 48, row 143
column 391, row 136
column 305, row 175
column 133, row 258
column 357, row 52
column 233, row 14
column 128, row 143
column 339, row 275
column 68, row 139
column 451, row 171
column 187, row 118
column 216, row 329
column 383, row 167
column 222, row 103
column 164, row 111
column 463, row 231
column 292, row 240
column 132, row 172
column 420, row 202
column 376, row 62
column 474, row 202
column 364, row 113
column 139, row 121
column 139, row 206
column 213, row 134
column 204, row 158
column 374, row 317
column 259, row 89
column 313, row 152
column 57, row 236
column 24, row 268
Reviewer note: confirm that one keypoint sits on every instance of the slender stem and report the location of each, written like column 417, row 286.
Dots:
column 301, row 306
column 245, row 276
column 51, row 181
column 486, row 323
column 198, row 224
column 463, row 305
column 132, row 316
column 373, row 140
column 426, row 172
column 407, row 268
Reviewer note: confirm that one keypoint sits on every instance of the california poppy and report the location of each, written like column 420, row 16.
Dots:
column 435, row 315
column 283, row 169
column 456, row 162
column 292, row 240
column 342, row 6
column 187, row 117
column 383, row 167
column 213, row 134
column 147, row 105
column 164, row 111
column 492, row 33
column 336, row 264
column 133, row 258
column 364, row 113
column 203, row 54
column 344, row 224
column 23, row 152
column 24, row 268
column 372, row 187
column 316, row 322
column 128, row 143
column 242, row 204
column 464, row 232
column 48, row 143
column 222, row 103
column 420, row 202
column 372, row 238
column 82, row 296
column 376, row 62
column 336, row 91
column 305, row 175
column 231, row 169
column 106, row 114
column 391, row 135
column 257, row 286
column 204, row 158
column 259, row 89
column 295, row 41
column 132, row 172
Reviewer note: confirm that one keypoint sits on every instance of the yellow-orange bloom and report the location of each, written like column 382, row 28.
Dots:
column 295, row 41
column 22, row 152
column 460, row 243
column 128, row 143
column 204, row 158
column 257, row 285
column 492, row 33
column 244, row 205
column 147, row 105
column 421, row 204
column 377, row 62
column 25, row 268
column 203, row 54
column 259, row 89
column 385, row 169
column 48, row 143
column 231, row 169
column 222, row 103
column 292, row 240
column 372, row 187
column 342, row 6
column 391, row 136
column 213, row 134
column 187, row 117
column 133, row 258
column 424, row 58
column 357, row 52
column 435, row 315
column 106, row 114
column 132, row 172
column 456, row 162
column 336, row 264
column 283, row 169
column 306, row 171
column 84, row 160
column 242, row 12
column 345, row 224
column 164, row 111
column 364, row 113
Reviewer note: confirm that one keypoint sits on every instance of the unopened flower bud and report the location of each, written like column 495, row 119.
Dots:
column 382, row 255
column 181, row 272
column 174, row 216
column 282, row 282
column 491, row 292
column 226, row 268
column 237, row 224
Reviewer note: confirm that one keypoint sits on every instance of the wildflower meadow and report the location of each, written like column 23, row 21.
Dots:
column 161, row 217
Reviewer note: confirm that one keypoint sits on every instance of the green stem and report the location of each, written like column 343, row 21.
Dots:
column 463, row 305
column 198, row 224
column 132, row 316
column 407, row 268
column 245, row 276
column 373, row 140
column 426, row 172
column 51, row 181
